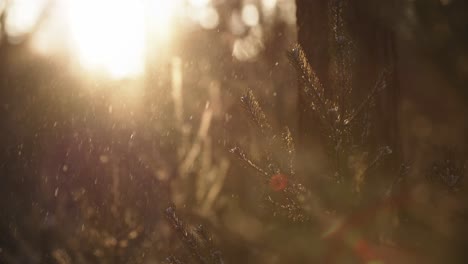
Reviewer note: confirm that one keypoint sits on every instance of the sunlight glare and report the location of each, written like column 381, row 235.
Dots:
column 21, row 17
column 49, row 37
column 209, row 18
column 161, row 15
column 199, row 3
column 269, row 4
column 109, row 35
column 250, row 15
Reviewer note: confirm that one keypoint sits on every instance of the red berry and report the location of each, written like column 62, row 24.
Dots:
column 278, row 182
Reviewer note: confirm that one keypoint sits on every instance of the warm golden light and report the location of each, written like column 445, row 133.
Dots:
column 110, row 38
column 21, row 17
column 109, row 35
column 160, row 17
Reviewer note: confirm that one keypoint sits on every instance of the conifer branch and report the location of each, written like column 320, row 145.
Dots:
column 173, row 260
column 312, row 86
column 290, row 149
column 243, row 157
column 256, row 112
column 342, row 57
column 258, row 116
column 380, row 85
column 196, row 241
column 384, row 151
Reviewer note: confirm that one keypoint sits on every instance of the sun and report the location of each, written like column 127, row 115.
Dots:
column 110, row 36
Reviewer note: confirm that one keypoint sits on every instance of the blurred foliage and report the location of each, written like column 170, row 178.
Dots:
column 92, row 168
